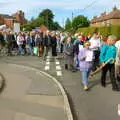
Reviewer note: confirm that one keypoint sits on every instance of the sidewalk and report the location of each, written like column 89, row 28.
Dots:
column 30, row 95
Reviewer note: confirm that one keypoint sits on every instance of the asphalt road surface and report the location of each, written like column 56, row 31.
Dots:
column 97, row 104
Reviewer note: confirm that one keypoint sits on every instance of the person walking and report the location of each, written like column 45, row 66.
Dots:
column 85, row 57
column 68, row 54
column 29, row 49
column 95, row 46
column 117, row 62
column 54, row 45
column 20, row 40
column 108, row 51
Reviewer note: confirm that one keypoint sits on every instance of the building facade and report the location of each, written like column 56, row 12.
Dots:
column 9, row 20
column 107, row 19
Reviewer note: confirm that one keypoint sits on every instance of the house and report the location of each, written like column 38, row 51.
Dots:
column 107, row 19
column 9, row 20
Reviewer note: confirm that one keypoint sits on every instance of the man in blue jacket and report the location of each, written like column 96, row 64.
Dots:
column 108, row 51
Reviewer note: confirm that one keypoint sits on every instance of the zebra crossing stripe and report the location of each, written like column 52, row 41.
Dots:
column 47, row 67
column 47, row 63
column 59, row 73
column 58, row 68
column 57, row 62
column 48, row 57
column 48, row 60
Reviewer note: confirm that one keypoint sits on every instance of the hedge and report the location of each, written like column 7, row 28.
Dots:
column 104, row 31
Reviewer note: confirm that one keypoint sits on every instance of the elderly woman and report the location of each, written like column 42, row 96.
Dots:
column 85, row 57
column 68, row 54
column 108, row 51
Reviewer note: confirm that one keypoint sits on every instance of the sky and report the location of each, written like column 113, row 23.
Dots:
column 62, row 9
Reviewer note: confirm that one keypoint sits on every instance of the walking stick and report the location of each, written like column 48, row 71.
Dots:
column 99, row 68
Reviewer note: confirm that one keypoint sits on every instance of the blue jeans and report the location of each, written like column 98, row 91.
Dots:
column 21, row 50
column 29, row 50
column 76, row 61
column 85, row 75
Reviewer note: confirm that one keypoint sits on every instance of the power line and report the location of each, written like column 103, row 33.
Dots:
column 87, row 6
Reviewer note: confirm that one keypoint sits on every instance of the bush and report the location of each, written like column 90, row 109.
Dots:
column 104, row 31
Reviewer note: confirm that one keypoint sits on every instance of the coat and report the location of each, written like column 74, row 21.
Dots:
column 83, row 64
column 68, row 53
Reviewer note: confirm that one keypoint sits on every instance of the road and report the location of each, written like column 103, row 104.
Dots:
column 29, row 95
column 97, row 104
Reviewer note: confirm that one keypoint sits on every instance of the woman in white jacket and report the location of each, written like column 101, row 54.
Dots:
column 117, row 63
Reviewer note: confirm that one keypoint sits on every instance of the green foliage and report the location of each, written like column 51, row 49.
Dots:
column 68, row 25
column 79, row 22
column 26, row 27
column 47, row 18
column 44, row 18
column 104, row 31
column 55, row 26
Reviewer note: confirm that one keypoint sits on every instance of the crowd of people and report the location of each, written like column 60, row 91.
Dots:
column 84, row 53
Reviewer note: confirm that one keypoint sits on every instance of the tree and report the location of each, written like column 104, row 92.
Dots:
column 80, row 21
column 56, row 26
column 68, row 25
column 47, row 16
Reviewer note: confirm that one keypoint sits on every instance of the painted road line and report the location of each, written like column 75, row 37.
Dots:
column 59, row 73
column 47, row 67
column 48, row 60
column 58, row 68
column 47, row 63
column 57, row 62
column 48, row 57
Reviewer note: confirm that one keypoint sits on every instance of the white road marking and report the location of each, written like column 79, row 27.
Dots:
column 48, row 57
column 47, row 63
column 59, row 73
column 58, row 68
column 48, row 60
column 47, row 67
column 57, row 62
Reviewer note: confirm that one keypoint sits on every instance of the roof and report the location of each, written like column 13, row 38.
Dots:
column 114, row 14
column 6, row 16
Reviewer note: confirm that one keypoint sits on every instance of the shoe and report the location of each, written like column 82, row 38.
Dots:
column 103, row 85
column 115, row 89
column 66, row 66
column 85, row 87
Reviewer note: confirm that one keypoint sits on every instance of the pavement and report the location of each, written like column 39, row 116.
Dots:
column 97, row 104
column 30, row 95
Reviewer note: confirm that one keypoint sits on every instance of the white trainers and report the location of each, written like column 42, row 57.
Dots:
column 85, row 87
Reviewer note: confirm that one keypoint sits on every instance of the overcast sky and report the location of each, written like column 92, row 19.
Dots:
column 61, row 8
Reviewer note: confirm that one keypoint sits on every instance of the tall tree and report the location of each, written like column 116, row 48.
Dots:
column 68, row 24
column 47, row 16
column 80, row 21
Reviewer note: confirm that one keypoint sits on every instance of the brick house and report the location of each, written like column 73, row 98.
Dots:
column 19, row 17
column 9, row 20
column 106, row 19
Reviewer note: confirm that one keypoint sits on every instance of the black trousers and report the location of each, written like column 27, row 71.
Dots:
column 111, row 69
column 96, row 59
